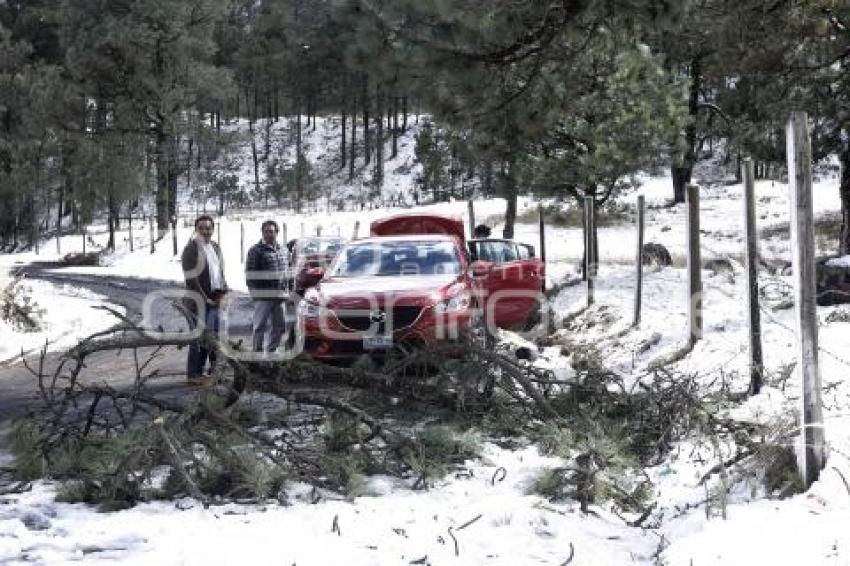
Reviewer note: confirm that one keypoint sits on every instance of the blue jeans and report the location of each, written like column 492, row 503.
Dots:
column 201, row 350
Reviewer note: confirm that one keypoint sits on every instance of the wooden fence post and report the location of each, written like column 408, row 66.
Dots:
column 130, row 225
column 752, row 264
column 83, row 232
column 153, row 241
column 639, row 260
column 174, row 235
column 241, row 242
column 542, row 233
column 694, row 268
column 811, row 455
column 318, row 230
column 356, row 229
column 471, row 209
column 589, row 259
column 285, row 237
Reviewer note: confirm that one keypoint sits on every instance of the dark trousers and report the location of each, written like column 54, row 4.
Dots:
column 201, row 350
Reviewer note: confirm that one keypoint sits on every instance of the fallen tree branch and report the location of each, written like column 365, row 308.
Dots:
column 177, row 463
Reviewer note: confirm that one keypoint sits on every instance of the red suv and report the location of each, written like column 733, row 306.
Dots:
column 415, row 282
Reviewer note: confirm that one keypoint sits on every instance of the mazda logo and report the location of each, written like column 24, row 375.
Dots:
column 377, row 316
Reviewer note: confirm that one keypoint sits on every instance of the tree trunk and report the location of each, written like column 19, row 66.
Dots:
column 47, row 201
column 173, row 162
column 267, row 141
column 191, row 145
column 110, row 221
column 681, row 177
column 395, row 127
column 60, row 204
column 453, row 173
column 298, row 181
column 163, row 151
column 738, row 177
column 254, row 157
column 488, row 178
column 509, row 189
column 683, row 172
column 379, row 141
column 365, row 100
column 404, row 114
column 343, row 131
column 353, row 138
column 844, row 190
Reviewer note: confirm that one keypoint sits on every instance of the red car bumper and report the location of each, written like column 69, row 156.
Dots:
column 345, row 335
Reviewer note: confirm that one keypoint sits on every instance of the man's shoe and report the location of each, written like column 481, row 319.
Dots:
column 199, row 380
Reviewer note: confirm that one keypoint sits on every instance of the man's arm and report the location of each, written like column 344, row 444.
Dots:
column 253, row 264
column 220, row 254
column 191, row 269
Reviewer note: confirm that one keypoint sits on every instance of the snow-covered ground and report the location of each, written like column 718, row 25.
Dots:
column 392, row 526
column 400, row 526
column 67, row 314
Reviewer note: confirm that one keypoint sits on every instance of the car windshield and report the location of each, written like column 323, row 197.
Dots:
column 397, row 258
column 318, row 246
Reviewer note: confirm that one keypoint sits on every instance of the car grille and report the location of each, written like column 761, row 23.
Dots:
column 400, row 317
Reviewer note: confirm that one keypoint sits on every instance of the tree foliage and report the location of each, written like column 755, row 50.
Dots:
column 560, row 97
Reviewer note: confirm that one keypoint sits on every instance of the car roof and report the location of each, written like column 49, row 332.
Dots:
column 406, row 238
column 319, row 238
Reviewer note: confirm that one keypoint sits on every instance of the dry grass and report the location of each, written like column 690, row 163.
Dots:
column 564, row 215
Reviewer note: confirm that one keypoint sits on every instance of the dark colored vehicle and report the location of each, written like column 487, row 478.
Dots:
column 405, row 288
column 309, row 257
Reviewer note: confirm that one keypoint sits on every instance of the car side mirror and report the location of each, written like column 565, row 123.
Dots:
column 480, row 268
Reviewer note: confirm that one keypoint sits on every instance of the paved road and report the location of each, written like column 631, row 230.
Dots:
column 18, row 387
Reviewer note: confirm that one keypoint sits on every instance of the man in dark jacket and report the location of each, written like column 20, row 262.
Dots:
column 266, row 271
column 203, row 270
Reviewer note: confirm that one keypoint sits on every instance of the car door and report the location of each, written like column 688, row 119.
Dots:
column 534, row 268
column 512, row 284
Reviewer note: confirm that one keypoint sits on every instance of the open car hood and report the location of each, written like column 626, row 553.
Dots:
column 414, row 224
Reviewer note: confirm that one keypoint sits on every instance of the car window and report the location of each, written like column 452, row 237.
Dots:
column 315, row 246
column 397, row 258
column 496, row 251
column 525, row 251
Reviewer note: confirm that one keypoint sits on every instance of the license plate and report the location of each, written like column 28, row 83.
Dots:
column 377, row 342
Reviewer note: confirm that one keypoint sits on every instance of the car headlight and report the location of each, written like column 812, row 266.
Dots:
column 312, row 310
column 455, row 303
